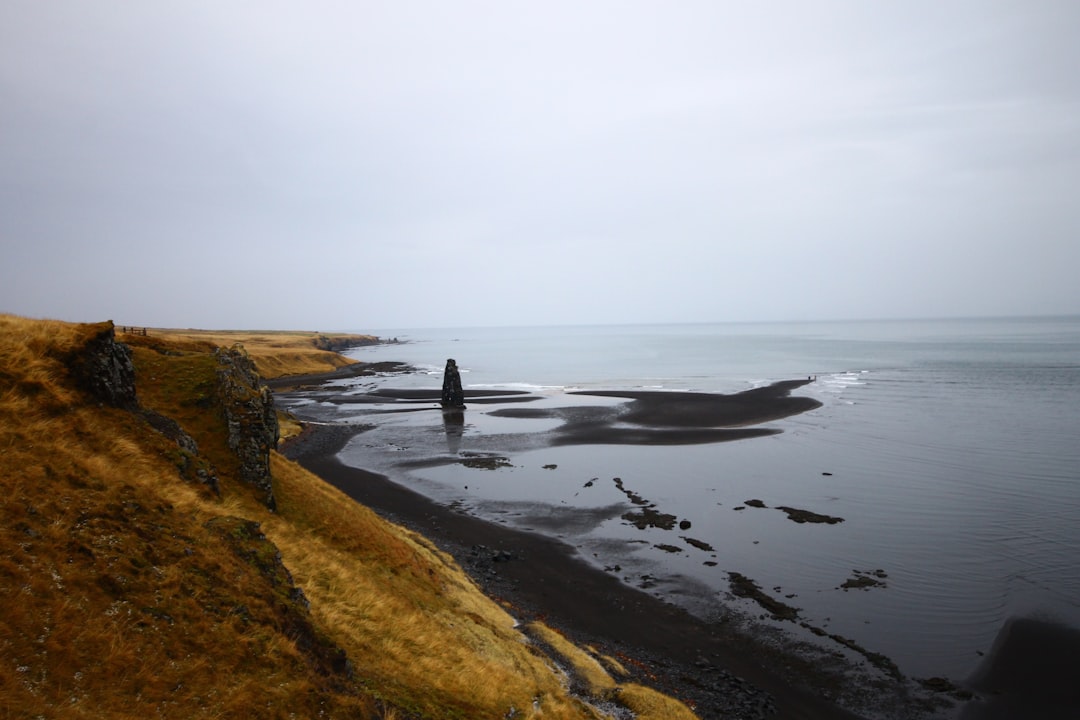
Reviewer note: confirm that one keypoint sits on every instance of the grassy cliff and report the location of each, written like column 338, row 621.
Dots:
column 133, row 586
column 275, row 352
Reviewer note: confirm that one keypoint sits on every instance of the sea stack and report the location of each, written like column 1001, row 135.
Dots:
column 453, row 398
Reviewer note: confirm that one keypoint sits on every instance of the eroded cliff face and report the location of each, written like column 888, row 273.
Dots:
column 103, row 368
column 252, row 421
column 192, row 465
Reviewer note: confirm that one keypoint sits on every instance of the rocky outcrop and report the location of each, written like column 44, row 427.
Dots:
column 291, row 606
column 102, row 368
column 342, row 343
column 252, row 421
column 191, row 465
column 452, row 394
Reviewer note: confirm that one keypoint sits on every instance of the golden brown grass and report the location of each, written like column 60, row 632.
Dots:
column 121, row 601
column 647, row 703
column 117, row 601
column 275, row 353
column 586, row 667
column 405, row 608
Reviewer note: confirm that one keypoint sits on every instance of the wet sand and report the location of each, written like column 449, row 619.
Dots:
column 719, row 667
column 724, row 667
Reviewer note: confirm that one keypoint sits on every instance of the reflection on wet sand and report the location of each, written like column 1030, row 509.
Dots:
column 454, row 425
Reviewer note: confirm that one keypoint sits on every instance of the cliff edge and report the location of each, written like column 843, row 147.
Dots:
column 161, row 558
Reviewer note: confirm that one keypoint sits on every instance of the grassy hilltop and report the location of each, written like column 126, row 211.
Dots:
column 131, row 589
column 275, row 352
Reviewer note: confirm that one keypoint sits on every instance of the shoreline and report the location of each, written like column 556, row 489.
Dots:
column 719, row 668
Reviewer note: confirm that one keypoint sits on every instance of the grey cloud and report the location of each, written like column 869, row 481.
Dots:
column 385, row 164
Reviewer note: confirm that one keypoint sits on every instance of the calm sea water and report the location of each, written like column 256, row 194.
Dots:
column 949, row 448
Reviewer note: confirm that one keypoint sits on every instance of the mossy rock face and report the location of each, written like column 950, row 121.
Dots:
column 290, row 606
column 246, row 539
column 192, row 466
column 252, row 420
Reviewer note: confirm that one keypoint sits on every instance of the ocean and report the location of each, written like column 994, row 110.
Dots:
column 949, row 449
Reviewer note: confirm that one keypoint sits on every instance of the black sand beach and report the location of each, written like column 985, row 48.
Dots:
column 722, row 666
column 722, row 673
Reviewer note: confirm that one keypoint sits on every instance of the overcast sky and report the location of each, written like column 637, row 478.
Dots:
column 361, row 165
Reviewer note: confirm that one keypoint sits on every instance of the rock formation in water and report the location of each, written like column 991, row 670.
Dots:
column 452, row 394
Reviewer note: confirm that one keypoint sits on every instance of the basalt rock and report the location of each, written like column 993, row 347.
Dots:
column 252, row 421
column 452, row 395
column 102, row 368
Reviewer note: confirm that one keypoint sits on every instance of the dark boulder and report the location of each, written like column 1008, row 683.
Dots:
column 102, row 368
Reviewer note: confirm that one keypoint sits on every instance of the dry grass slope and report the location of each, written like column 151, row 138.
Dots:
column 129, row 591
column 276, row 353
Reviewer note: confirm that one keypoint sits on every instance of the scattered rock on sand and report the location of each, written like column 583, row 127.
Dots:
column 805, row 516
column 742, row 586
column 630, row 494
column 698, row 544
column 486, row 462
column 799, row 516
column 650, row 517
column 861, row 580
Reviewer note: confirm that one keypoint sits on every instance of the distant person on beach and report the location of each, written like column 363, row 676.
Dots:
column 452, row 394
